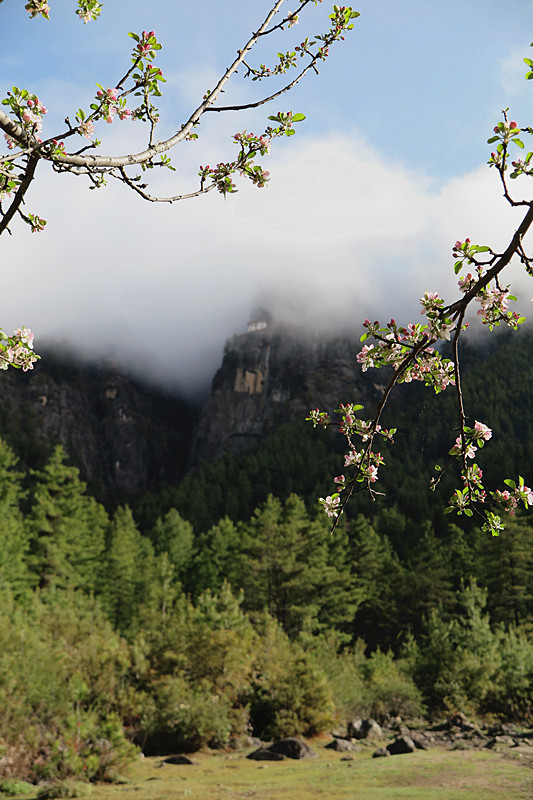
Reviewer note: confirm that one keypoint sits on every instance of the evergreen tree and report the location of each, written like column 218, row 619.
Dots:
column 218, row 558
column 67, row 529
column 508, row 566
column 288, row 571
column 14, row 541
column 174, row 536
column 379, row 577
column 129, row 572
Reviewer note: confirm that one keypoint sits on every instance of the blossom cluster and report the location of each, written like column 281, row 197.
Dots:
column 250, row 144
column 17, row 350
column 510, row 500
column 341, row 17
column 87, row 9
column 37, row 8
column 409, row 350
column 523, row 166
column 471, row 439
column 28, row 110
column 111, row 104
column 9, row 180
column 364, row 462
column 494, row 307
column 505, row 132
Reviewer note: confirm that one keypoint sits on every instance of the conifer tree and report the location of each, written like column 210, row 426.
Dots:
column 14, row 574
column 67, row 528
column 129, row 571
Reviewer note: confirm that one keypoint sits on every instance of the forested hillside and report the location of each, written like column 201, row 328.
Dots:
column 222, row 605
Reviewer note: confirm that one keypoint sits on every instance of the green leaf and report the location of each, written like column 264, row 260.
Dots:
column 520, row 320
column 511, row 297
column 457, row 266
column 510, row 483
column 519, row 142
column 483, row 249
column 290, row 132
column 528, row 61
column 468, row 512
column 364, row 337
column 492, row 139
column 448, row 510
column 298, row 117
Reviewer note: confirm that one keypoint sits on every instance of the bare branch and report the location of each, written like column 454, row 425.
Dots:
column 19, row 195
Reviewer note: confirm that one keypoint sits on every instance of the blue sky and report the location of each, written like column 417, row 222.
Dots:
column 364, row 202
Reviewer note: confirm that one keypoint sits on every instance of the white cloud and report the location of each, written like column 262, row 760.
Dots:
column 340, row 234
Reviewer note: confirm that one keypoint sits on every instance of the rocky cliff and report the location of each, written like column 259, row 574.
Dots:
column 274, row 375
column 122, row 435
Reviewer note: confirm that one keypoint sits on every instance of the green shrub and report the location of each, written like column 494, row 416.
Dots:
column 389, row 691
column 291, row 694
column 15, row 788
column 64, row 789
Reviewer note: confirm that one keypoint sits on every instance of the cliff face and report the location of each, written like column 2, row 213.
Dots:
column 123, row 436
column 272, row 376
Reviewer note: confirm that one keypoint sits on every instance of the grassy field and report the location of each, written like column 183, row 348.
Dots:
column 423, row 775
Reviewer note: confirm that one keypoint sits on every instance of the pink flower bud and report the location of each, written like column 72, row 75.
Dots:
column 513, row 125
column 496, row 129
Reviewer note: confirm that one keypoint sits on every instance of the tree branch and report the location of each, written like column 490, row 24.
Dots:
column 21, row 191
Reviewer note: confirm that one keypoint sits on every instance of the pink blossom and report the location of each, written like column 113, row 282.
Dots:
column 331, row 505
column 372, row 473
column 86, row 129
column 482, row 430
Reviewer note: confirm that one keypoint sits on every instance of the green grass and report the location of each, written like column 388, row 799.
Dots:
column 423, row 775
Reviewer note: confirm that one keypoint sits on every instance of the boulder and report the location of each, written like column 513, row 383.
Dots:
column 364, row 729
column 292, row 747
column 264, row 754
column 178, row 760
column 343, row 746
column 401, row 745
column 381, row 752
column 420, row 742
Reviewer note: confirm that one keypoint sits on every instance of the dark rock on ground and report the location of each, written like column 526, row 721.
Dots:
column 343, row 746
column 381, row 752
column 364, row 729
column 420, row 742
column 401, row 746
column 264, row 754
column 292, row 747
column 180, row 759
